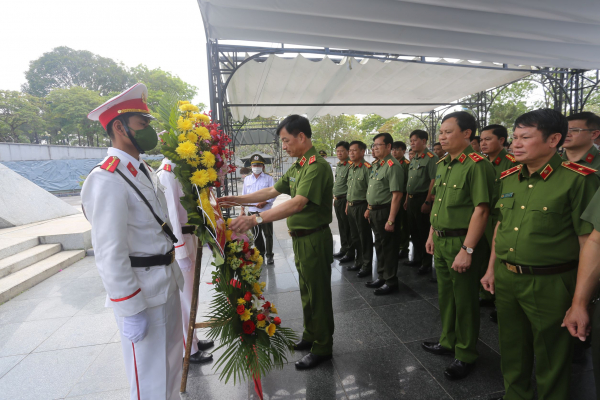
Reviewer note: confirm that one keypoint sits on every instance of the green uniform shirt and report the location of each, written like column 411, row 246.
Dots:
column 540, row 214
column 591, row 159
column 461, row 185
column 404, row 163
column 421, row 170
column 340, row 186
column 386, row 177
column 501, row 163
column 358, row 180
column 310, row 176
column 592, row 212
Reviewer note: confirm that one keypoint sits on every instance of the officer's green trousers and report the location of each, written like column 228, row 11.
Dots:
column 419, row 228
column 404, row 234
column 313, row 255
column 386, row 245
column 531, row 309
column 347, row 246
column 362, row 236
column 458, row 296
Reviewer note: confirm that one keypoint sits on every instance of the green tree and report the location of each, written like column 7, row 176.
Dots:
column 17, row 110
column 328, row 130
column 371, row 123
column 63, row 68
column 511, row 102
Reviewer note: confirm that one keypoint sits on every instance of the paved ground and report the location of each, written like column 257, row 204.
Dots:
column 58, row 341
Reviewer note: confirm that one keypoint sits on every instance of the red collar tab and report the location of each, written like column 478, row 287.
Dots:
column 302, row 161
column 580, row 169
column 429, row 154
column 312, row 159
column 510, row 171
column 475, row 157
column 110, row 164
column 423, row 155
column 132, row 169
column 359, row 165
column 546, row 172
column 462, row 158
column 511, row 157
column 497, row 160
column 381, row 163
column 167, row 168
column 390, row 163
column 342, row 162
column 589, row 158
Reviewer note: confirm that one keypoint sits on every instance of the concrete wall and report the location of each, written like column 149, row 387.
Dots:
column 41, row 152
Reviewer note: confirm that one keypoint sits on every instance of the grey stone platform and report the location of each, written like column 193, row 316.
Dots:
column 58, row 341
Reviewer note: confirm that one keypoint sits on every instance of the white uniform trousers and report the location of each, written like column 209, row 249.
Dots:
column 191, row 243
column 154, row 365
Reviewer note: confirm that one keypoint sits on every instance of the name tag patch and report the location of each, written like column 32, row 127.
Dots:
column 292, row 179
column 506, row 195
column 438, row 176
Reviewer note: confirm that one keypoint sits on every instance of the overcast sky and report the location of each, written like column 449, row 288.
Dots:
column 166, row 34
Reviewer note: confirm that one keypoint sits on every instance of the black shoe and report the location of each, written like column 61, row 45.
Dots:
column 377, row 283
column 494, row 316
column 458, row 370
column 339, row 254
column 385, row 289
column 353, row 268
column 311, row 360
column 200, row 357
column 403, row 254
column 362, row 274
column 436, row 348
column 423, row 270
column 486, row 303
column 205, row 344
column 412, row 263
column 302, row 345
column 346, row 259
column 270, row 260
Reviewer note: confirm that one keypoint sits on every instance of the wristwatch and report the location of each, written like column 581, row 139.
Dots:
column 259, row 219
column 390, row 222
column 469, row 250
column 428, row 203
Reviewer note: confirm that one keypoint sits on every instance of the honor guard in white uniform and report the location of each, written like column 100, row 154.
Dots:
column 134, row 248
column 185, row 254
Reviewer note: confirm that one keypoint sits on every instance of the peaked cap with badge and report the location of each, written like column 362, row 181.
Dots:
column 133, row 100
column 257, row 159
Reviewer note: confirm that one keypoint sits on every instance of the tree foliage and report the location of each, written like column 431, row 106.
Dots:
column 328, row 130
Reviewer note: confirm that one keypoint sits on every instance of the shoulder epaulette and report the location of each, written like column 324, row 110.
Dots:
column 511, row 157
column 430, row 154
column 511, row 171
column 168, row 168
column 580, row 169
column 312, row 159
column 406, row 161
column 367, row 164
column 390, row 163
column 475, row 157
column 441, row 159
column 110, row 164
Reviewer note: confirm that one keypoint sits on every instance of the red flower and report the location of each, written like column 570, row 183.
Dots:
column 215, row 149
column 217, row 184
column 266, row 305
column 261, row 317
column 219, row 164
column 248, row 327
column 240, row 309
column 246, row 247
column 276, row 320
column 248, row 296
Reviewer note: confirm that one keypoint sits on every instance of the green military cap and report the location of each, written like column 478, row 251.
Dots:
column 257, row 159
column 323, row 153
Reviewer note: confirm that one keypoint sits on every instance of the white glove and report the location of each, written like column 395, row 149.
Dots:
column 185, row 264
column 135, row 327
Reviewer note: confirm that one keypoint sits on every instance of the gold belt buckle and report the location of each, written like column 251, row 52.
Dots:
column 410, row 196
column 514, row 268
column 369, row 207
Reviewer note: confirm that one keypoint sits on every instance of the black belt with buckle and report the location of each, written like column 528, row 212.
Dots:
column 380, row 207
column 188, row 229
column 153, row 261
column 305, row 232
column 540, row 269
column 451, row 232
column 422, row 194
column 340, row 197
column 356, row 203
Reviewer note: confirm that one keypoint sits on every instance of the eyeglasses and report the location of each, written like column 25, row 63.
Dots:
column 377, row 145
column 578, row 130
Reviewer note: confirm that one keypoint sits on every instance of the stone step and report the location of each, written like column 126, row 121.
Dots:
column 26, row 258
column 12, row 246
column 14, row 284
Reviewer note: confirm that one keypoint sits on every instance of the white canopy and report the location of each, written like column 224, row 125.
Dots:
column 300, row 81
column 547, row 33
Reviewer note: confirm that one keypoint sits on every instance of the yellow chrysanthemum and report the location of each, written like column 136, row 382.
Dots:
column 241, row 301
column 202, row 133
column 182, row 138
column 187, row 150
column 183, row 102
column 207, row 207
column 184, row 124
column 193, row 162
column 204, row 118
column 263, row 285
column 246, row 316
column 192, row 137
column 261, row 324
column 228, row 234
column 208, row 159
column 256, row 289
column 199, row 178
column 229, row 221
column 255, row 255
column 273, row 309
column 212, row 175
column 271, row 329
column 188, row 107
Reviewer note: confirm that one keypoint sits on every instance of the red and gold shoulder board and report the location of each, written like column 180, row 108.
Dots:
column 511, row 157
column 312, row 159
column 510, row 171
column 406, row 161
column 580, row 169
column 367, row 164
column 475, row 157
column 390, row 163
column 430, row 154
column 110, row 164
column 168, row 168
column 441, row 159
